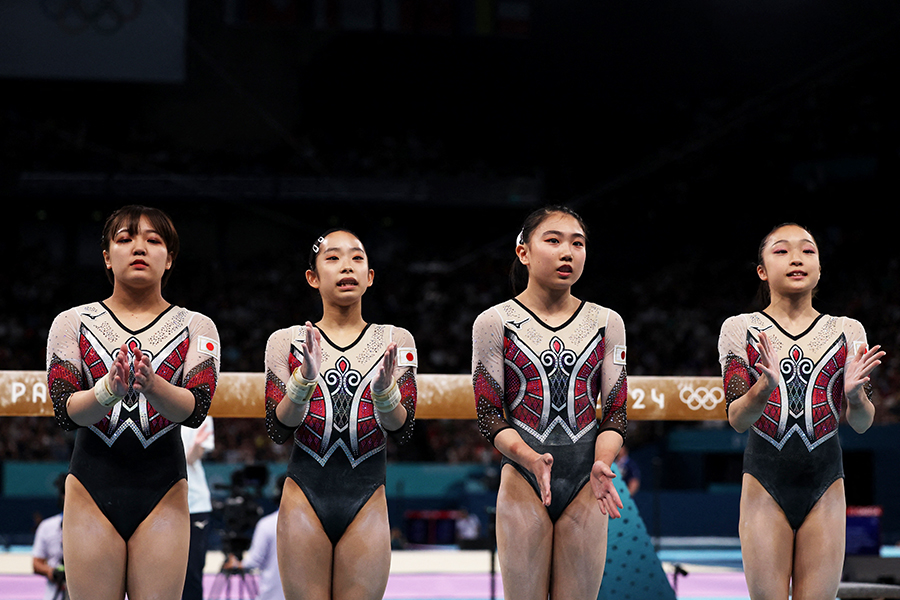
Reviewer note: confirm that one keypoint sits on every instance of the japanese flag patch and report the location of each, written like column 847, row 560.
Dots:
column 407, row 357
column 619, row 353
column 209, row 346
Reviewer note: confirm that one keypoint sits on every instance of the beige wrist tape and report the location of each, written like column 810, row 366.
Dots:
column 387, row 400
column 103, row 394
column 298, row 389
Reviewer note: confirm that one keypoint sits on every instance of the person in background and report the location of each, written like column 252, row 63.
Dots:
column 47, row 554
column 262, row 555
column 629, row 471
column 197, row 442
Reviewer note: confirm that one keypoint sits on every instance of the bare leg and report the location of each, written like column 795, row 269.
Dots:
column 304, row 550
column 579, row 549
column 158, row 549
column 524, row 539
column 767, row 543
column 819, row 551
column 93, row 551
column 362, row 557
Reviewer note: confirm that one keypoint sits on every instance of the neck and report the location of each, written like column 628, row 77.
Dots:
column 337, row 318
column 545, row 301
column 792, row 309
column 136, row 300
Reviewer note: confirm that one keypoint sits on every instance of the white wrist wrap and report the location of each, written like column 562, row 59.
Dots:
column 298, row 389
column 387, row 400
column 103, row 394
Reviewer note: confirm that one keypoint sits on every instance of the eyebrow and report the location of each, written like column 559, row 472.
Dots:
column 336, row 249
column 128, row 231
column 560, row 233
column 804, row 240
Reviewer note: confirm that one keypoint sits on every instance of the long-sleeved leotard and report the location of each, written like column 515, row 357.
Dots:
column 129, row 460
column 338, row 459
column 793, row 448
column 558, row 387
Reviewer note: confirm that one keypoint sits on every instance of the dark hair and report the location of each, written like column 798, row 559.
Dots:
column 316, row 246
column 763, row 296
column 518, row 273
column 130, row 218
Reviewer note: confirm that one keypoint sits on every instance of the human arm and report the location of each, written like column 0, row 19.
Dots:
column 394, row 389
column 747, row 390
column 200, row 443
column 487, row 375
column 281, row 364
column 857, row 383
column 613, row 419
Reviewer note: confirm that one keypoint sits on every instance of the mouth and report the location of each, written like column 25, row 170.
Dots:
column 564, row 270
column 796, row 274
column 347, row 283
column 139, row 263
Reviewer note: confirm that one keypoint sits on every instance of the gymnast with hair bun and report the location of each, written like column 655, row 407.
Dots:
column 548, row 372
column 125, row 372
column 789, row 372
column 337, row 388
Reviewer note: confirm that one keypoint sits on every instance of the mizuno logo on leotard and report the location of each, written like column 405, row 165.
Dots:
column 520, row 323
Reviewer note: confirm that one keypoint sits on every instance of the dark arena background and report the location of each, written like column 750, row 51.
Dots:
column 681, row 132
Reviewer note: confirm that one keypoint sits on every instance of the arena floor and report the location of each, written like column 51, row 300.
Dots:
column 713, row 573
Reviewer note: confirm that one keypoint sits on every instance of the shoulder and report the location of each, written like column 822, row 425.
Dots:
column 602, row 315
column 509, row 309
column 851, row 328
column 193, row 318
column 401, row 335
column 91, row 309
column 49, row 525
column 744, row 321
column 286, row 335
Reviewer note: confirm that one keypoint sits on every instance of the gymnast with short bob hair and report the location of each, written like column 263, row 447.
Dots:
column 125, row 373
column 548, row 371
column 789, row 373
column 338, row 388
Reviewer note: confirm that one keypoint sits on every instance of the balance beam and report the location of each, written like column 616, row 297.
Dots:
column 241, row 395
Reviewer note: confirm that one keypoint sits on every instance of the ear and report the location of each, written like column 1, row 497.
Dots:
column 106, row 260
column 371, row 278
column 312, row 279
column 761, row 272
column 522, row 253
column 169, row 261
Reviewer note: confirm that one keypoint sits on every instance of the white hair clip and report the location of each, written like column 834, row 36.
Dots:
column 316, row 245
column 520, row 239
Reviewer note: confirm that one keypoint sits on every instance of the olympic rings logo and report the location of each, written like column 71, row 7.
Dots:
column 104, row 16
column 701, row 397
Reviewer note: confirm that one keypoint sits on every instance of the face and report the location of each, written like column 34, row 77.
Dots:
column 342, row 272
column 555, row 253
column 790, row 261
column 138, row 259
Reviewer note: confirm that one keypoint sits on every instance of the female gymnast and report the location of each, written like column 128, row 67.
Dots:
column 788, row 371
column 125, row 372
column 556, row 366
column 337, row 388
